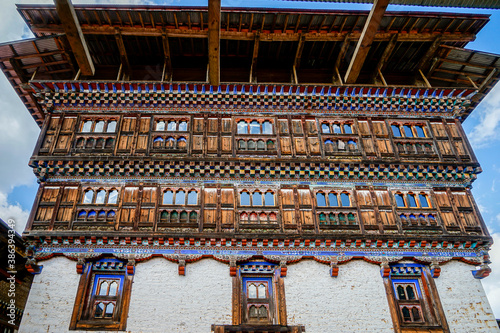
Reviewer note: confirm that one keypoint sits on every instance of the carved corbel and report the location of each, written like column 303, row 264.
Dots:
column 385, row 269
column 131, row 266
column 283, row 268
column 182, row 267
column 435, row 269
column 32, row 266
column 334, row 268
column 483, row 271
column 233, row 270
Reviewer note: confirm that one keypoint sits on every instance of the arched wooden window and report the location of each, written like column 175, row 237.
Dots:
column 332, row 219
column 325, row 128
column 99, row 144
column 432, row 219
column 183, row 126
column 253, row 217
column 192, row 198
column 88, row 197
column 168, row 197
column 160, row 126
column 255, row 127
column 181, row 143
column 101, row 216
column 396, row 131
column 404, row 219
column 428, row 148
column 333, row 200
column 351, row 219
column 90, row 143
column 347, row 129
column 87, row 126
column 261, row 145
column 420, row 131
column 158, row 142
column 193, row 217
column 406, row 314
column 263, row 217
column 113, row 197
column 80, row 143
column 110, row 143
column 257, row 199
column 251, row 145
column 244, row 198
column 180, row 197
column 267, row 127
column 91, row 216
column 273, row 217
column 342, row 219
column 111, row 128
column 242, row 127
column 345, row 200
column 270, row 145
column 352, row 145
column 269, row 199
column 174, row 217
column 328, row 146
column 184, row 217
column 400, row 201
column 242, row 144
column 336, row 129
column 415, row 314
column 424, row 200
column 320, row 199
column 322, row 218
column 408, row 131
column 164, row 216
column 172, row 126
column 170, row 144
column 81, row 215
column 243, row 217
column 111, row 215
column 99, row 126
column 100, row 197
column 411, row 200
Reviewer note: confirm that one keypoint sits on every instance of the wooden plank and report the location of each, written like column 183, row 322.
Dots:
column 214, row 42
column 298, row 53
column 365, row 41
column 122, row 50
column 73, row 31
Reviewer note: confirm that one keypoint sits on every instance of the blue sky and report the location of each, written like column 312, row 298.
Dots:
column 18, row 131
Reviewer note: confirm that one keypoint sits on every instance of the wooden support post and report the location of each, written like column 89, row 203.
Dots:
column 75, row 37
column 382, row 78
column 298, row 53
column 167, row 68
column 488, row 78
column 339, row 77
column 473, row 83
column 253, row 66
column 365, row 41
column 122, row 50
column 214, row 42
column 295, row 78
column 77, row 76
column 385, row 56
column 425, row 79
column 423, row 64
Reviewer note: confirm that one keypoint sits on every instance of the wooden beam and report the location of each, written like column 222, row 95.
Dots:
column 264, row 36
column 298, row 53
column 424, row 62
column 214, row 42
column 74, row 34
column 168, row 58
column 365, row 41
column 425, row 79
column 253, row 66
column 385, row 56
column 122, row 50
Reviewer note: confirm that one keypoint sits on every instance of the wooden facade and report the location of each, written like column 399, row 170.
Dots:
column 308, row 135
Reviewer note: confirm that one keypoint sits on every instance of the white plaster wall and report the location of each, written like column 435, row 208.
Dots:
column 464, row 301
column 355, row 301
column 51, row 298
column 163, row 301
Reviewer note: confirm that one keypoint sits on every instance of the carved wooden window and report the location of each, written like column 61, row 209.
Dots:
column 171, row 125
column 413, row 296
column 408, row 130
column 411, row 200
column 257, row 198
column 333, row 199
column 98, row 126
column 337, row 127
column 254, row 127
column 103, row 297
column 100, row 196
column 180, row 197
column 258, row 294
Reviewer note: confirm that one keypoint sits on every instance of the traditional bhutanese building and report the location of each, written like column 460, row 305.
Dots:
column 254, row 170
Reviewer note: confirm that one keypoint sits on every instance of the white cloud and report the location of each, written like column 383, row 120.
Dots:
column 487, row 131
column 491, row 284
column 14, row 212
